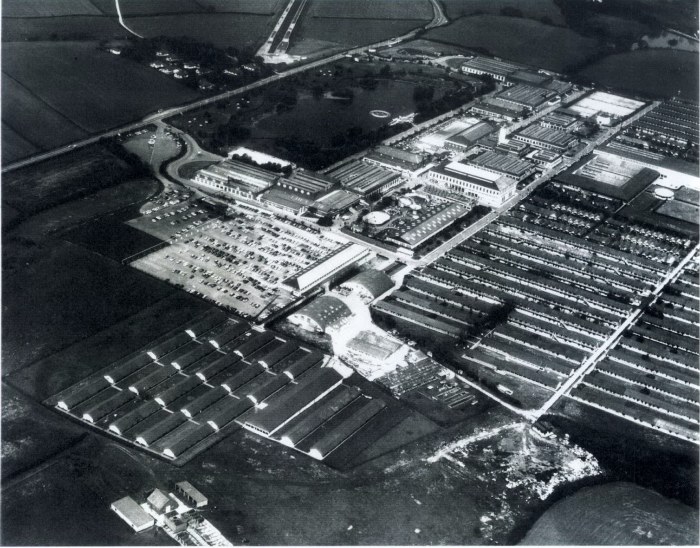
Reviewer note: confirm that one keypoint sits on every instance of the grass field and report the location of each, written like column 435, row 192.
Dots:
column 244, row 31
column 533, row 9
column 41, row 8
column 14, row 145
column 32, row 121
column 116, row 92
column 349, row 31
column 75, row 27
column 31, row 433
column 58, row 180
column 516, row 39
column 616, row 514
column 373, row 9
column 675, row 73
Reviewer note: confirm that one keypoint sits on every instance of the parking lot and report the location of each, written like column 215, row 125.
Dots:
column 238, row 262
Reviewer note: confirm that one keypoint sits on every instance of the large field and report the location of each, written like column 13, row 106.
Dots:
column 534, row 9
column 616, row 514
column 518, row 39
column 47, row 77
column 244, row 31
column 373, row 9
column 675, row 73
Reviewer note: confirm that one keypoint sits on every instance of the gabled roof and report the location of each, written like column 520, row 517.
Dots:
column 159, row 500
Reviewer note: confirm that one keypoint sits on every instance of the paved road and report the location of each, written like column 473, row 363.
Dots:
column 165, row 113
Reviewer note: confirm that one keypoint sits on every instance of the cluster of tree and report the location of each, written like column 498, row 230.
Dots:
column 270, row 166
column 429, row 108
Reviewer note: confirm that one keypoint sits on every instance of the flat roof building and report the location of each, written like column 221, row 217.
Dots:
column 236, row 178
column 324, row 269
column 546, row 137
column 307, row 183
column 395, row 159
column 431, row 225
column 508, row 165
column 336, row 201
column 498, row 70
column 366, row 179
column 132, row 513
column 527, row 97
column 286, row 200
column 487, row 188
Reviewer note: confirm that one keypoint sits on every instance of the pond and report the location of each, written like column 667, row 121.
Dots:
column 321, row 119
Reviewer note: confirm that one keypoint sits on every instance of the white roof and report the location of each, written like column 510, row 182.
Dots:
column 472, row 171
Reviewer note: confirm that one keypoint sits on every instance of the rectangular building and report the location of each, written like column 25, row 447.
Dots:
column 307, row 183
column 526, row 97
column 498, row 70
column 336, row 201
column 366, row 179
column 547, row 138
column 324, row 269
column 236, row 178
column 395, row 159
column 130, row 511
column 499, row 163
column 488, row 188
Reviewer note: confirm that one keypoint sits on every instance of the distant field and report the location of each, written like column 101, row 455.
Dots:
column 675, row 73
column 351, row 31
column 49, row 101
column 616, row 514
column 139, row 7
column 516, row 39
column 373, row 9
column 245, row 6
column 75, row 27
column 534, row 9
column 32, row 121
column 116, row 91
column 241, row 30
column 55, row 181
column 14, row 146
column 50, row 8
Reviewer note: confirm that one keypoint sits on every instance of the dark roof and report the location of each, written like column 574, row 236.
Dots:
column 374, row 281
column 325, row 311
column 294, row 400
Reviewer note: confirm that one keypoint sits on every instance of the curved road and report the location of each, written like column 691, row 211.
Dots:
column 439, row 19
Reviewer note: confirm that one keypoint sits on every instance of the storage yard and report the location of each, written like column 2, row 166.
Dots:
column 239, row 261
column 214, row 375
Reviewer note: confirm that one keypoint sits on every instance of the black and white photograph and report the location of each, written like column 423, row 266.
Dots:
column 350, row 272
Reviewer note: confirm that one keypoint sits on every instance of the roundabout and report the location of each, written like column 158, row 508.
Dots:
column 380, row 113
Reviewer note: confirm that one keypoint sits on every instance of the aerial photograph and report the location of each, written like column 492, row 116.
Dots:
column 350, row 272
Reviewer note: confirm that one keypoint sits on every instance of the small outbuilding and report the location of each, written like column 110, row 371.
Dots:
column 192, row 496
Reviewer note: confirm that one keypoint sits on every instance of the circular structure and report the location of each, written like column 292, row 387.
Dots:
column 380, row 113
column 663, row 193
column 377, row 218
